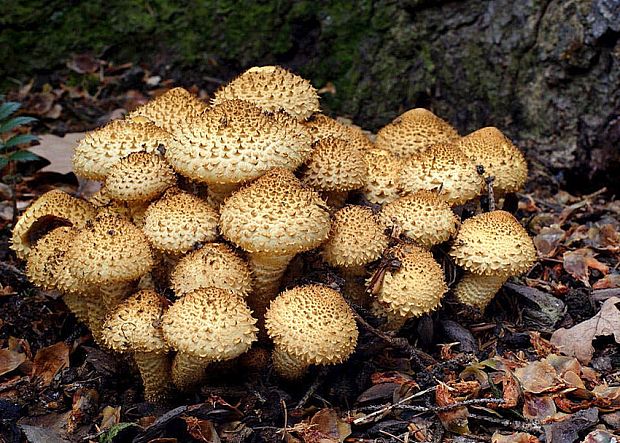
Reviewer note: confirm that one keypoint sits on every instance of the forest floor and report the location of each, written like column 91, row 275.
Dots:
column 542, row 363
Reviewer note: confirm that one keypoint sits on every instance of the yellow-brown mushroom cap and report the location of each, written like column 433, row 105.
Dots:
column 313, row 324
column 235, row 141
column 414, row 131
column 422, row 216
column 171, row 110
column 382, row 176
column 417, row 287
column 50, row 210
column 109, row 250
column 178, row 221
column 139, row 177
column 322, row 126
column 272, row 88
column 275, row 214
column 335, row 165
column 356, row 238
column 443, row 168
column 499, row 157
column 213, row 265
column 135, row 324
column 493, row 243
column 45, row 261
column 100, row 149
column 210, row 323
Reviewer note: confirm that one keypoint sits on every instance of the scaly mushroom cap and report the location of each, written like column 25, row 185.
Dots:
column 499, row 157
column 54, row 208
column 356, row 238
column 210, row 323
column 139, row 177
column 100, row 149
column 334, row 165
column 423, row 217
column 179, row 220
column 213, row 265
column 493, row 243
column 109, row 250
column 135, row 324
column 45, row 259
column 235, row 141
column 414, row 131
column 445, row 169
column 382, row 176
column 103, row 202
column 275, row 214
column 171, row 110
column 417, row 287
column 313, row 324
column 322, row 126
column 272, row 88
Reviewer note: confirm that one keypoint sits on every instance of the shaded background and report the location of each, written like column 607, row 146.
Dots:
column 544, row 71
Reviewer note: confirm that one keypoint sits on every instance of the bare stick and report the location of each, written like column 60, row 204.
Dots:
column 490, row 193
column 384, row 409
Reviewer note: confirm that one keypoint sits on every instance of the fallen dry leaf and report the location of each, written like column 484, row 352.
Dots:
column 85, row 404
column 538, row 408
column 49, row 361
column 536, row 377
column 607, row 397
column 515, row 437
column 326, row 427
column 58, row 151
column 202, row 430
column 577, row 341
column 10, row 360
column 579, row 262
column 110, row 416
column 454, row 420
column 608, row 282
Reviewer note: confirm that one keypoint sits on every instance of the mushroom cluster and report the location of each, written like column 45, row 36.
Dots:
column 179, row 259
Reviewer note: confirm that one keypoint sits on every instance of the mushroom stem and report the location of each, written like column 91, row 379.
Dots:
column 188, row 370
column 155, row 371
column 287, row 366
column 77, row 305
column 267, row 270
column 478, row 290
column 96, row 316
column 217, row 193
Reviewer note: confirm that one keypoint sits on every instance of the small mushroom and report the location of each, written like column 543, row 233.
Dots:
column 491, row 247
column 500, row 158
column 273, row 219
column 100, row 149
column 322, row 126
column 382, row 176
column 442, row 168
column 235, row 142
column 139, row 177
column 412, row 290
column 171, row 110
column 204, row 326
column 334, row 168
column 414, row 131
column 51, row 210
column 310, row 325
column 135, row 327
column 272, row 88
column 213, row 265
column 422, row 217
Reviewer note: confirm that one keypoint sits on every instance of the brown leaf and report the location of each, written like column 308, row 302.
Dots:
column 202, row 430
column 542, row 347
column 83, row 64
column 536, row 377
column 110, row 416
column 511, row 392
column 608, row 282
column 577, row 341
column 600, row 436
column 454, row 420
column 548, row 239
column 515, row 437
column 326, row 427
column 58, row 151
column 10, row 360
column 538, row 408
column 49, row 361
column 85, row 404
column 579, row 262
column 607, row 397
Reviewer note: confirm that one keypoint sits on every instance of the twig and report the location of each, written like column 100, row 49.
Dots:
column 318, row 381
column 475, row 401
column 388, row 408
column 490, row 192
column 511, row 424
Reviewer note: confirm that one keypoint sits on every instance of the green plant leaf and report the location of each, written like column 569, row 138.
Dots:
column 20, row 140
column 15, row 122
column 8, row 108
column 3, row 162
column 23, row 156
column 108, row 436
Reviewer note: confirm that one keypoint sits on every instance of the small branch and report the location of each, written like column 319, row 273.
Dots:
column 318, row 381
column 388, row 408
column 511, row 424
column 475, row 401
column 490, row 192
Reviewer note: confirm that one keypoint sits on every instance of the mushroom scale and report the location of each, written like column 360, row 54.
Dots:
column 135, row 326
column 272, row 88
column 443, row 168
column 382, row 176
column 322, row 126
column 414, row 131
column 204, row 326
column 100, row 149
column 422, row 216
column 499, row 157
column 50, row 210
column 310, row 324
